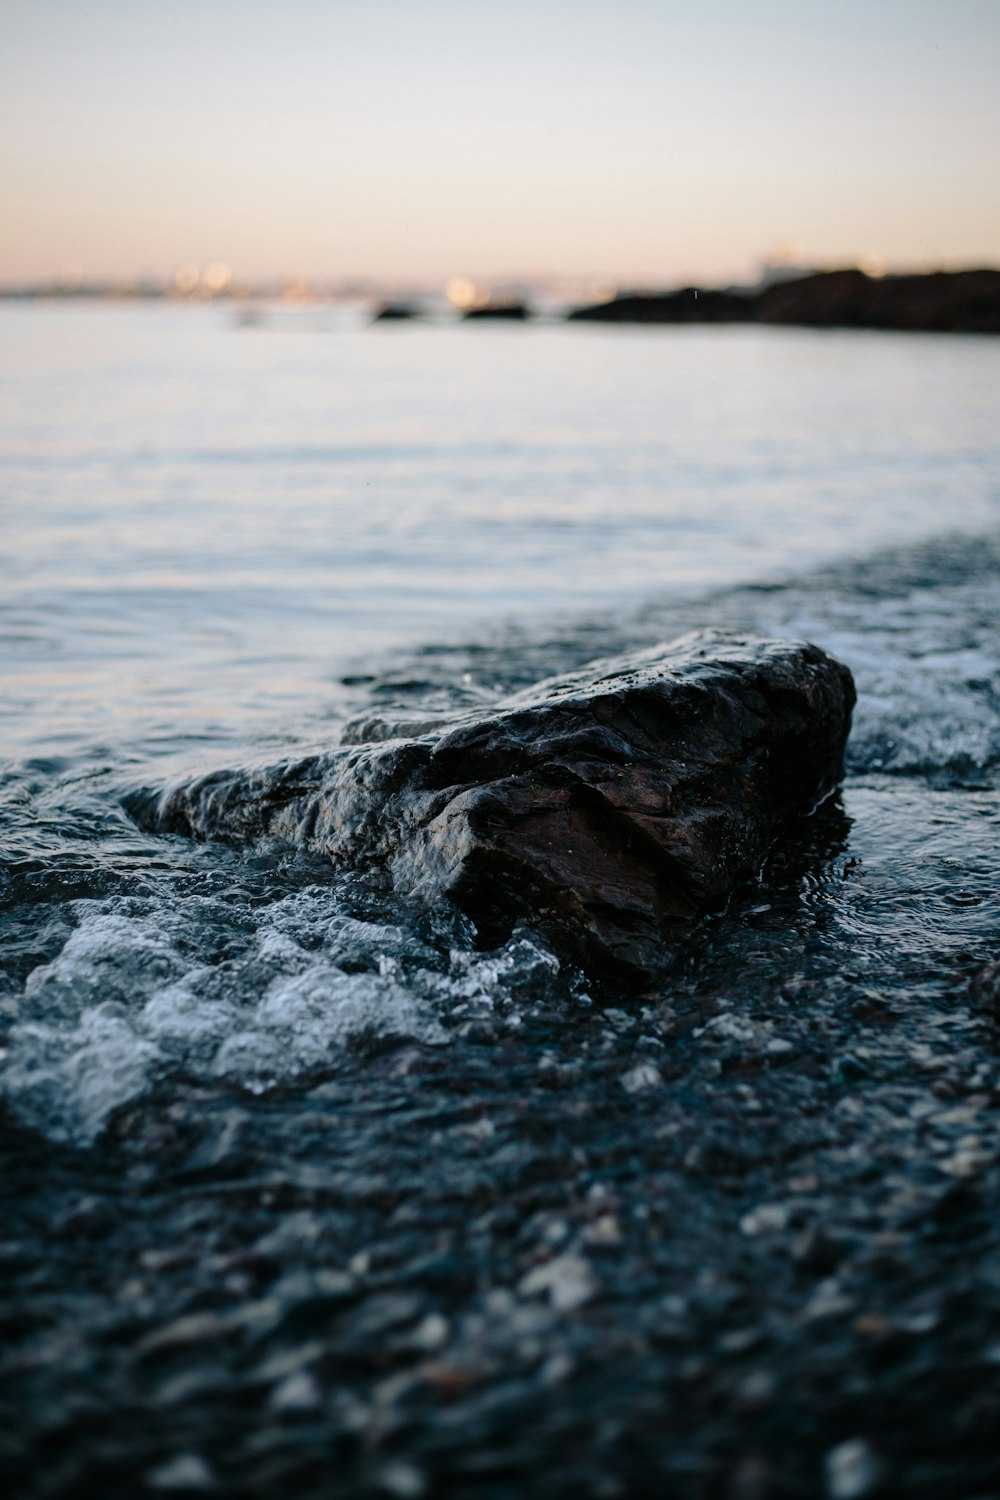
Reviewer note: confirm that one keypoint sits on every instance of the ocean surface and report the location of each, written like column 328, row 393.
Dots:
column 290, row 1163
column 218, row 539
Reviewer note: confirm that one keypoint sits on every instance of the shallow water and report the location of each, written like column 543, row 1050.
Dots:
column 209, row 528
column 219, row 542
column 203, row 522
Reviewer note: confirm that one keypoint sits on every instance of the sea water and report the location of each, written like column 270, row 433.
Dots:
column 219, row 539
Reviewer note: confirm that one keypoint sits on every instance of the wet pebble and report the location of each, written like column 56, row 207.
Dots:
column 188, row 1473
column 642, row 1078
column 768, row 1218
column 852, row 1470
column 401, row 1480
column 567, row 1280
column 298, row 1392
column 820, row 1248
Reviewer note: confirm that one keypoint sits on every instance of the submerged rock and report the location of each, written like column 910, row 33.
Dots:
column 610, row 808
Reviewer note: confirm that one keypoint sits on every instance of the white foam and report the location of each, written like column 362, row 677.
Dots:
column 111, row 955
column 120, row 1005
column 68, row 1079
column 927, row 669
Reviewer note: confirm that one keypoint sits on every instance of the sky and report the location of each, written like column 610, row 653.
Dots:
column 652, row 141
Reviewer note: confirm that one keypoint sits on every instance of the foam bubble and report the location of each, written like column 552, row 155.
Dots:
column 120, row 1005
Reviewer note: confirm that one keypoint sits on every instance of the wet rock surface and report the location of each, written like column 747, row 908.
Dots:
column 612, row 807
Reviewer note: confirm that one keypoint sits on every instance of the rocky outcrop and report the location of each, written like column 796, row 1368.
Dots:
column 513, row 312
column 689, row 305
column 943, row 302
column 610, row 808
column 396, row 312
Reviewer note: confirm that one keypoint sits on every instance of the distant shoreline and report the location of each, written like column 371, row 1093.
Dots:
column 929, row 302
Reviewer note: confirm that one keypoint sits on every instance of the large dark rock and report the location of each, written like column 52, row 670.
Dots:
column 610, row 808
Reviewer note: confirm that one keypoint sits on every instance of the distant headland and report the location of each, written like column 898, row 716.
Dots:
column 939, row 302
column 965, row 301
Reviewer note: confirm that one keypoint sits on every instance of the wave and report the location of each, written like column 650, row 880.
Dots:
column 262, row 977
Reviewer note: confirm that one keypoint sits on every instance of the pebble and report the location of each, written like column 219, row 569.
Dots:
column 290, row 1361
column 195, row 1328
column 556, row 1369
column 568, row 1280
column 555, row 1231
column 727, row 1027
column 642, row 1077
column 188, row 1472
column 965, row 1163
column 828, row 1301
column 741, row 1340
column 158, row 1261
column 450, row 1379
column 297, row 1392
column 769, row 1218
column 401, row 1479
column 756, row 1390
column 852, row 1470
column 603, row 1231
column 819, row 1249
column 431, row 1333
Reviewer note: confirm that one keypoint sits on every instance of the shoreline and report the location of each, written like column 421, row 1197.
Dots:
column 966, row 301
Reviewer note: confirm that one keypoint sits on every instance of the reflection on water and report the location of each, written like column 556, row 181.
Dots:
column 202, row 526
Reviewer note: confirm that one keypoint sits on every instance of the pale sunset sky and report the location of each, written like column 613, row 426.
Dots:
column 653, row 140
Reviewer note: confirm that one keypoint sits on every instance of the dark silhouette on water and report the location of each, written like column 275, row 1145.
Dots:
column 396, row 312
column 512, row 312
column 943, row 302
column 689, row 305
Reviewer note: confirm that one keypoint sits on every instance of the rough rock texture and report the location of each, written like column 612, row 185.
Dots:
column 611, row 807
